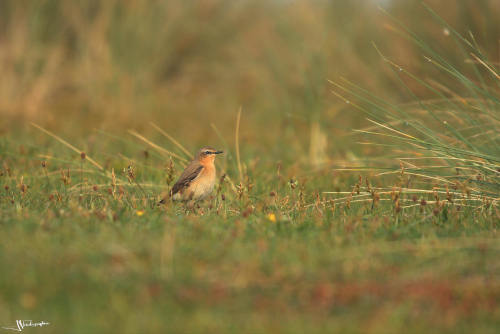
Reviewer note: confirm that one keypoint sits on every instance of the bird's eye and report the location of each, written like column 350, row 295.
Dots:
column 207, row 152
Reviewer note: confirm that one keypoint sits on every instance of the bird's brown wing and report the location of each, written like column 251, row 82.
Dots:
column 189, row 174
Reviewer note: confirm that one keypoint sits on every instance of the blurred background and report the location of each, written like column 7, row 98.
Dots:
column 86, row 250
column 77, row 66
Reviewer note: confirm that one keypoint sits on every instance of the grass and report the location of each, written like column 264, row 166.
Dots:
column 89, row 251
column 307, row 230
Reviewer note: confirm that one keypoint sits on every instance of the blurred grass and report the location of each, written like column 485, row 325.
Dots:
column 124, row 63
column 316, row 233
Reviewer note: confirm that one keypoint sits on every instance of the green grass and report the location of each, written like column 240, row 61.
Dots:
column 315, row 228
column 99, row 262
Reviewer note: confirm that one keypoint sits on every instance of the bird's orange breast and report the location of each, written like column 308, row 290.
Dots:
column 203, row 185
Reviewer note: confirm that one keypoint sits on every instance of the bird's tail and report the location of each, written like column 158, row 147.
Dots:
column 165, row 199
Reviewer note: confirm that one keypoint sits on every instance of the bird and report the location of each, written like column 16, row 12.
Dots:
column 198, row 178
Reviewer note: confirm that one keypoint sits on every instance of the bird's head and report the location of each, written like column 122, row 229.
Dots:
column 207, row 155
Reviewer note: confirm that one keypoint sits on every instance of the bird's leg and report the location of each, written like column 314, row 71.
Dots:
column 190, row 206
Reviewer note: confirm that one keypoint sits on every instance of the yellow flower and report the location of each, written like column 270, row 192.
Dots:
column 139, row 212
column 272, row 217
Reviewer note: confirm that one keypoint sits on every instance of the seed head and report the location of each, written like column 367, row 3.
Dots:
column 130, row 173
column 170, row 172
column 398, row 207
column 247, row 212
column 436, row 211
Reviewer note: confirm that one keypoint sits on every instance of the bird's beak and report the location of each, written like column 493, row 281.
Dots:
column 218, row 152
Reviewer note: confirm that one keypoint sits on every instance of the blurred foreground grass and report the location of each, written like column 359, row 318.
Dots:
column 308, row 231
column 203, row 275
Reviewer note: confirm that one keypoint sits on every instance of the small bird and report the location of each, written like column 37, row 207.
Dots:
column 198, row 179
